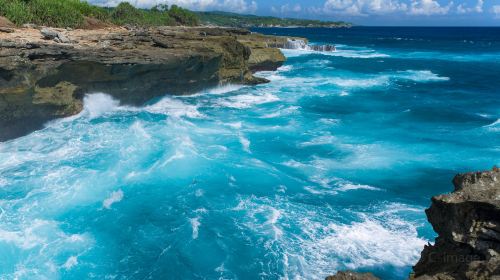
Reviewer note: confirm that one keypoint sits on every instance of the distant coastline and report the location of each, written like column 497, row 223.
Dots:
column 250, row 21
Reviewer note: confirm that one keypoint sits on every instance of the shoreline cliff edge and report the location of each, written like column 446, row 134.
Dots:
column 45, row 72
column 467, row 222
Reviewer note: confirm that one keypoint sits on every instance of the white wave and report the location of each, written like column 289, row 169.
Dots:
column 294, row 164
column 312, row 242
column 225, row 89
column 70, row 262
column 176, row 156
column 272, row 220
column 245, row 143
column 247, row 100
column 495, row 126
column 420, row 76
column 97, row 104
column 329, row 121
column 320, row 191
column 235, row 125
column 114, row 197
column 350, row 186
column 486, row 116
column 281, row 112
column 285, row 68
column 320, row 140
column 368, row 243
column 138, row 129
column 3, row 182
column 174, row 107
column 195, row 225
column 495, row 123
column 361, row 83
column 43, row 242
column 272, row 76
column 199, row 193
column 348, row 53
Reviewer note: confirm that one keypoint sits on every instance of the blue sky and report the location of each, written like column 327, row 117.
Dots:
column 365, row 12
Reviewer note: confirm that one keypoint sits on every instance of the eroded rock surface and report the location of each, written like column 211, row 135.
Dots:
column 45, row 73
column 349, row 275
column 467, row 222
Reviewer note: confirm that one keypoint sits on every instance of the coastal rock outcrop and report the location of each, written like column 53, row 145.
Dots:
column 467, row 222
column 45, row 73
column 349, row 275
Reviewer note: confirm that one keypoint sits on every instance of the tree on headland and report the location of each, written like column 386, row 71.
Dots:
column 72, row 13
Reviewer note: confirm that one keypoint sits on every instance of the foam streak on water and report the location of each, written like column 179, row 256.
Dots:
column 329, row 166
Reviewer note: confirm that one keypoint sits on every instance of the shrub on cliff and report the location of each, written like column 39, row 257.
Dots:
column 72, row 13
column 15, row 11
column 56, row 13
column 183, row 16
column 125, row 13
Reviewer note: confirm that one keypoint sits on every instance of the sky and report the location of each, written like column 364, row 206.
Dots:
column 362, row 12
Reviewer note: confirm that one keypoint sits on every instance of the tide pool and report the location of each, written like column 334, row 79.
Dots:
column 330, row 166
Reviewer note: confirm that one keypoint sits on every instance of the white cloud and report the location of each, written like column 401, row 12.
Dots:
column 362, row 7
column 290, row 8
column 463, row 9
column 429, row 7
column 237, row 6
column 496, row 10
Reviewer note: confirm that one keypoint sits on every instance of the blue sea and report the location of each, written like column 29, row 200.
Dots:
column 330, row 166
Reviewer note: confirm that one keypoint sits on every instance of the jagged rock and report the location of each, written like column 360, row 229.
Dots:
column 61, row 38
column 6, row 30
column 49, row 34
column 322, row 48
column 264, row 56
column 467, row 222
column 41, row 79
column 349, row 275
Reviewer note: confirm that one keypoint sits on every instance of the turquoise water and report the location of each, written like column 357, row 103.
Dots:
column 330, row 166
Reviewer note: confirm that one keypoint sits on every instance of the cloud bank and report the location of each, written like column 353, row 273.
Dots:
column 237, row 6
column 406, row 7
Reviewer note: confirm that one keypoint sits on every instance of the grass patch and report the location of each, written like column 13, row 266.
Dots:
column 72, row 13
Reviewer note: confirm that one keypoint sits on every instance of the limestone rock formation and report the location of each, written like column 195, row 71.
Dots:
column 45, row 73
column 467, row 222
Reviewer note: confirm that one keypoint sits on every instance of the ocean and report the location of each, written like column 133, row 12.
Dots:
column 330, row 166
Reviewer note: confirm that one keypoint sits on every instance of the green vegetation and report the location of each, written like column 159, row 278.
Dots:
column 237, row 20
column 73, row 13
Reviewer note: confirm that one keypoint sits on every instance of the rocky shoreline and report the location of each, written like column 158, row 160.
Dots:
column 467, row 222
column 44, row 73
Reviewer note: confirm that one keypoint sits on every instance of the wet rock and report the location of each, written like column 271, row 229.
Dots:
column 49, row 33
column 322, row 48
column 42, row 79
column 61, row 38
column 349, row 275
column 467, row 222
column 6, row 30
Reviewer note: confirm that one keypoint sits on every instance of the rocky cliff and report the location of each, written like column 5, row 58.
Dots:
column 44, row 73
column 467, row 222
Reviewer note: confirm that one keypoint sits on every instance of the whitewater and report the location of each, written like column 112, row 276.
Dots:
column 330, row 166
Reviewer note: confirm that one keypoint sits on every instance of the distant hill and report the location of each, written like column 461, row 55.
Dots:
column 238, row 20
